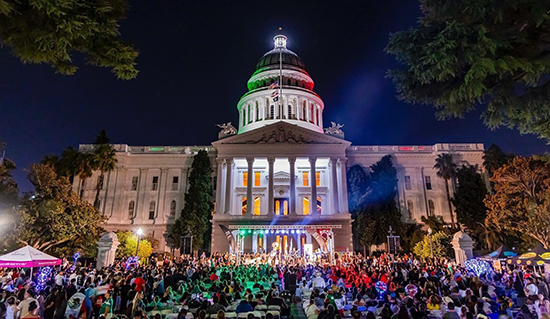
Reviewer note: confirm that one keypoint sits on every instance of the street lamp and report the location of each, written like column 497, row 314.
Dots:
column 139, row 233
column 431, row 244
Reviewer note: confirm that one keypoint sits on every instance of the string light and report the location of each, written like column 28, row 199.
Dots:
column 43, row 277
column 478, row 267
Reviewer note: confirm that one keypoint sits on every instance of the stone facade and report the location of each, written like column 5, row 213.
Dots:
column 279, row 177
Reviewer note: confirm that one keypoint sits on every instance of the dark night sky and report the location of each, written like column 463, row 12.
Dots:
column 195, row 59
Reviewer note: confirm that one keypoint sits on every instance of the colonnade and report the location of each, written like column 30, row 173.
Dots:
column 225, row 188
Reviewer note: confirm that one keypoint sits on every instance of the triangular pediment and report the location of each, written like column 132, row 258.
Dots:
column 281, row 133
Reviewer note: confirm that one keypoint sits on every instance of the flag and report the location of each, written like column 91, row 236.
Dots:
column 275, row 99
column 274, row 93
column 274, row 85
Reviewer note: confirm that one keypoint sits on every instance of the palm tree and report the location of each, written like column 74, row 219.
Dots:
column 446, row 170
column 83, row 167
column 103, row 160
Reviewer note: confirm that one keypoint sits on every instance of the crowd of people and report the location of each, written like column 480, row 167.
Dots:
column 215, row 287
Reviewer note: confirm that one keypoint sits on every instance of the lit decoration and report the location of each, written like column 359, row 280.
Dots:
column 43, row 277
column 411, row 290
column 132, row 260
column 75, row 260
column 478, row 267
column 381, row 287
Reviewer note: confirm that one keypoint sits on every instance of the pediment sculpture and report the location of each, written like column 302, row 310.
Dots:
column 281, row 136
column 334, row 129
column 226, row 129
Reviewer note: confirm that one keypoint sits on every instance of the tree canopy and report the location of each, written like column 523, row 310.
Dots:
column 464, row 54
column 378, row 209
column 196, row 214
column 53, row 217
column 521, row 199
column 53, row 31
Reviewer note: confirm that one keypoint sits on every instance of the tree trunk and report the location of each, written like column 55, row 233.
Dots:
column 98, row 190
column 449, row 202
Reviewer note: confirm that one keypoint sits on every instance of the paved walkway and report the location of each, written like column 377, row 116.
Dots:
column 296, row 311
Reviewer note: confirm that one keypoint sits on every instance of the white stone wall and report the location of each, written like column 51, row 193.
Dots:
column 417, row 162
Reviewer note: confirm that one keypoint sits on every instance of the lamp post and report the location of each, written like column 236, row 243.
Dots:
column 139, row 233
column 431, row 244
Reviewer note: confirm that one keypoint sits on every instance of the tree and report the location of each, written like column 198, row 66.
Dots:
column 53, row 217
column 440, row 243
column 446, row 169
column 104, row 160
column 470, row 53
column 128, row 245
column 9, row 197
column 52, row 31
column 468, row 201
column 494, row 158
column 357, row 191
column 522, row 199
column 379, row 211
column 196, row 214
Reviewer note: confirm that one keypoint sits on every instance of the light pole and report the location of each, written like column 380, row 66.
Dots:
column 139, row 233
column 431, row 244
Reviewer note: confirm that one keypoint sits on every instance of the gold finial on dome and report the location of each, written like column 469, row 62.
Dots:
column 280, row 41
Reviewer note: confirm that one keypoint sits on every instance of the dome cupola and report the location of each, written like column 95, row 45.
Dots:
column 280, row 90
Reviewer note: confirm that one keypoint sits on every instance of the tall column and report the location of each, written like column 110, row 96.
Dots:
column 228, row 184
column 160, row 209
column 344, row 186
column 313, row 185
column 219, row 187
column 270, row 203
column 334, row 191
column 292, row 162
column 249, row 199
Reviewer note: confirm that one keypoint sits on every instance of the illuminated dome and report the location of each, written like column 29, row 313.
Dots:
column 263, row 105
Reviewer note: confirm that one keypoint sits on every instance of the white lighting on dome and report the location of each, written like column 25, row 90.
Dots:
column 280, row 41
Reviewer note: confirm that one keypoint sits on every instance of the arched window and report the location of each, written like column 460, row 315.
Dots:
column 281, row 114
column 243, row 206
column 152, row 206
column 277, row 207
column 257, row 205
column 243, row 117
column 249, row 114
column 410, row 208
column 317, row 116
column 319, row 205
column 257, row 111
column 173, row 208
column 271, row 112
column 131, row 207
column 98, row 205
column 285, row 207
column 289, row 109
column 311, row 118
column 431, row 208
column 305, row 204
column 304, row 111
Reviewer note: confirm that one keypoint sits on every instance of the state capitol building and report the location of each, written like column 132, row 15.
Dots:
column 279, row 176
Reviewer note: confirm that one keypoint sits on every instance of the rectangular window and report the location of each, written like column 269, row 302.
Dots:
column 305, row 179
column 245, row 179
column 175, row 182
column 152, row 206
column 428, row 182
column 134, row 183
column 408, row 183
column 317, row 179
column 257, row 179
column 155, row 183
